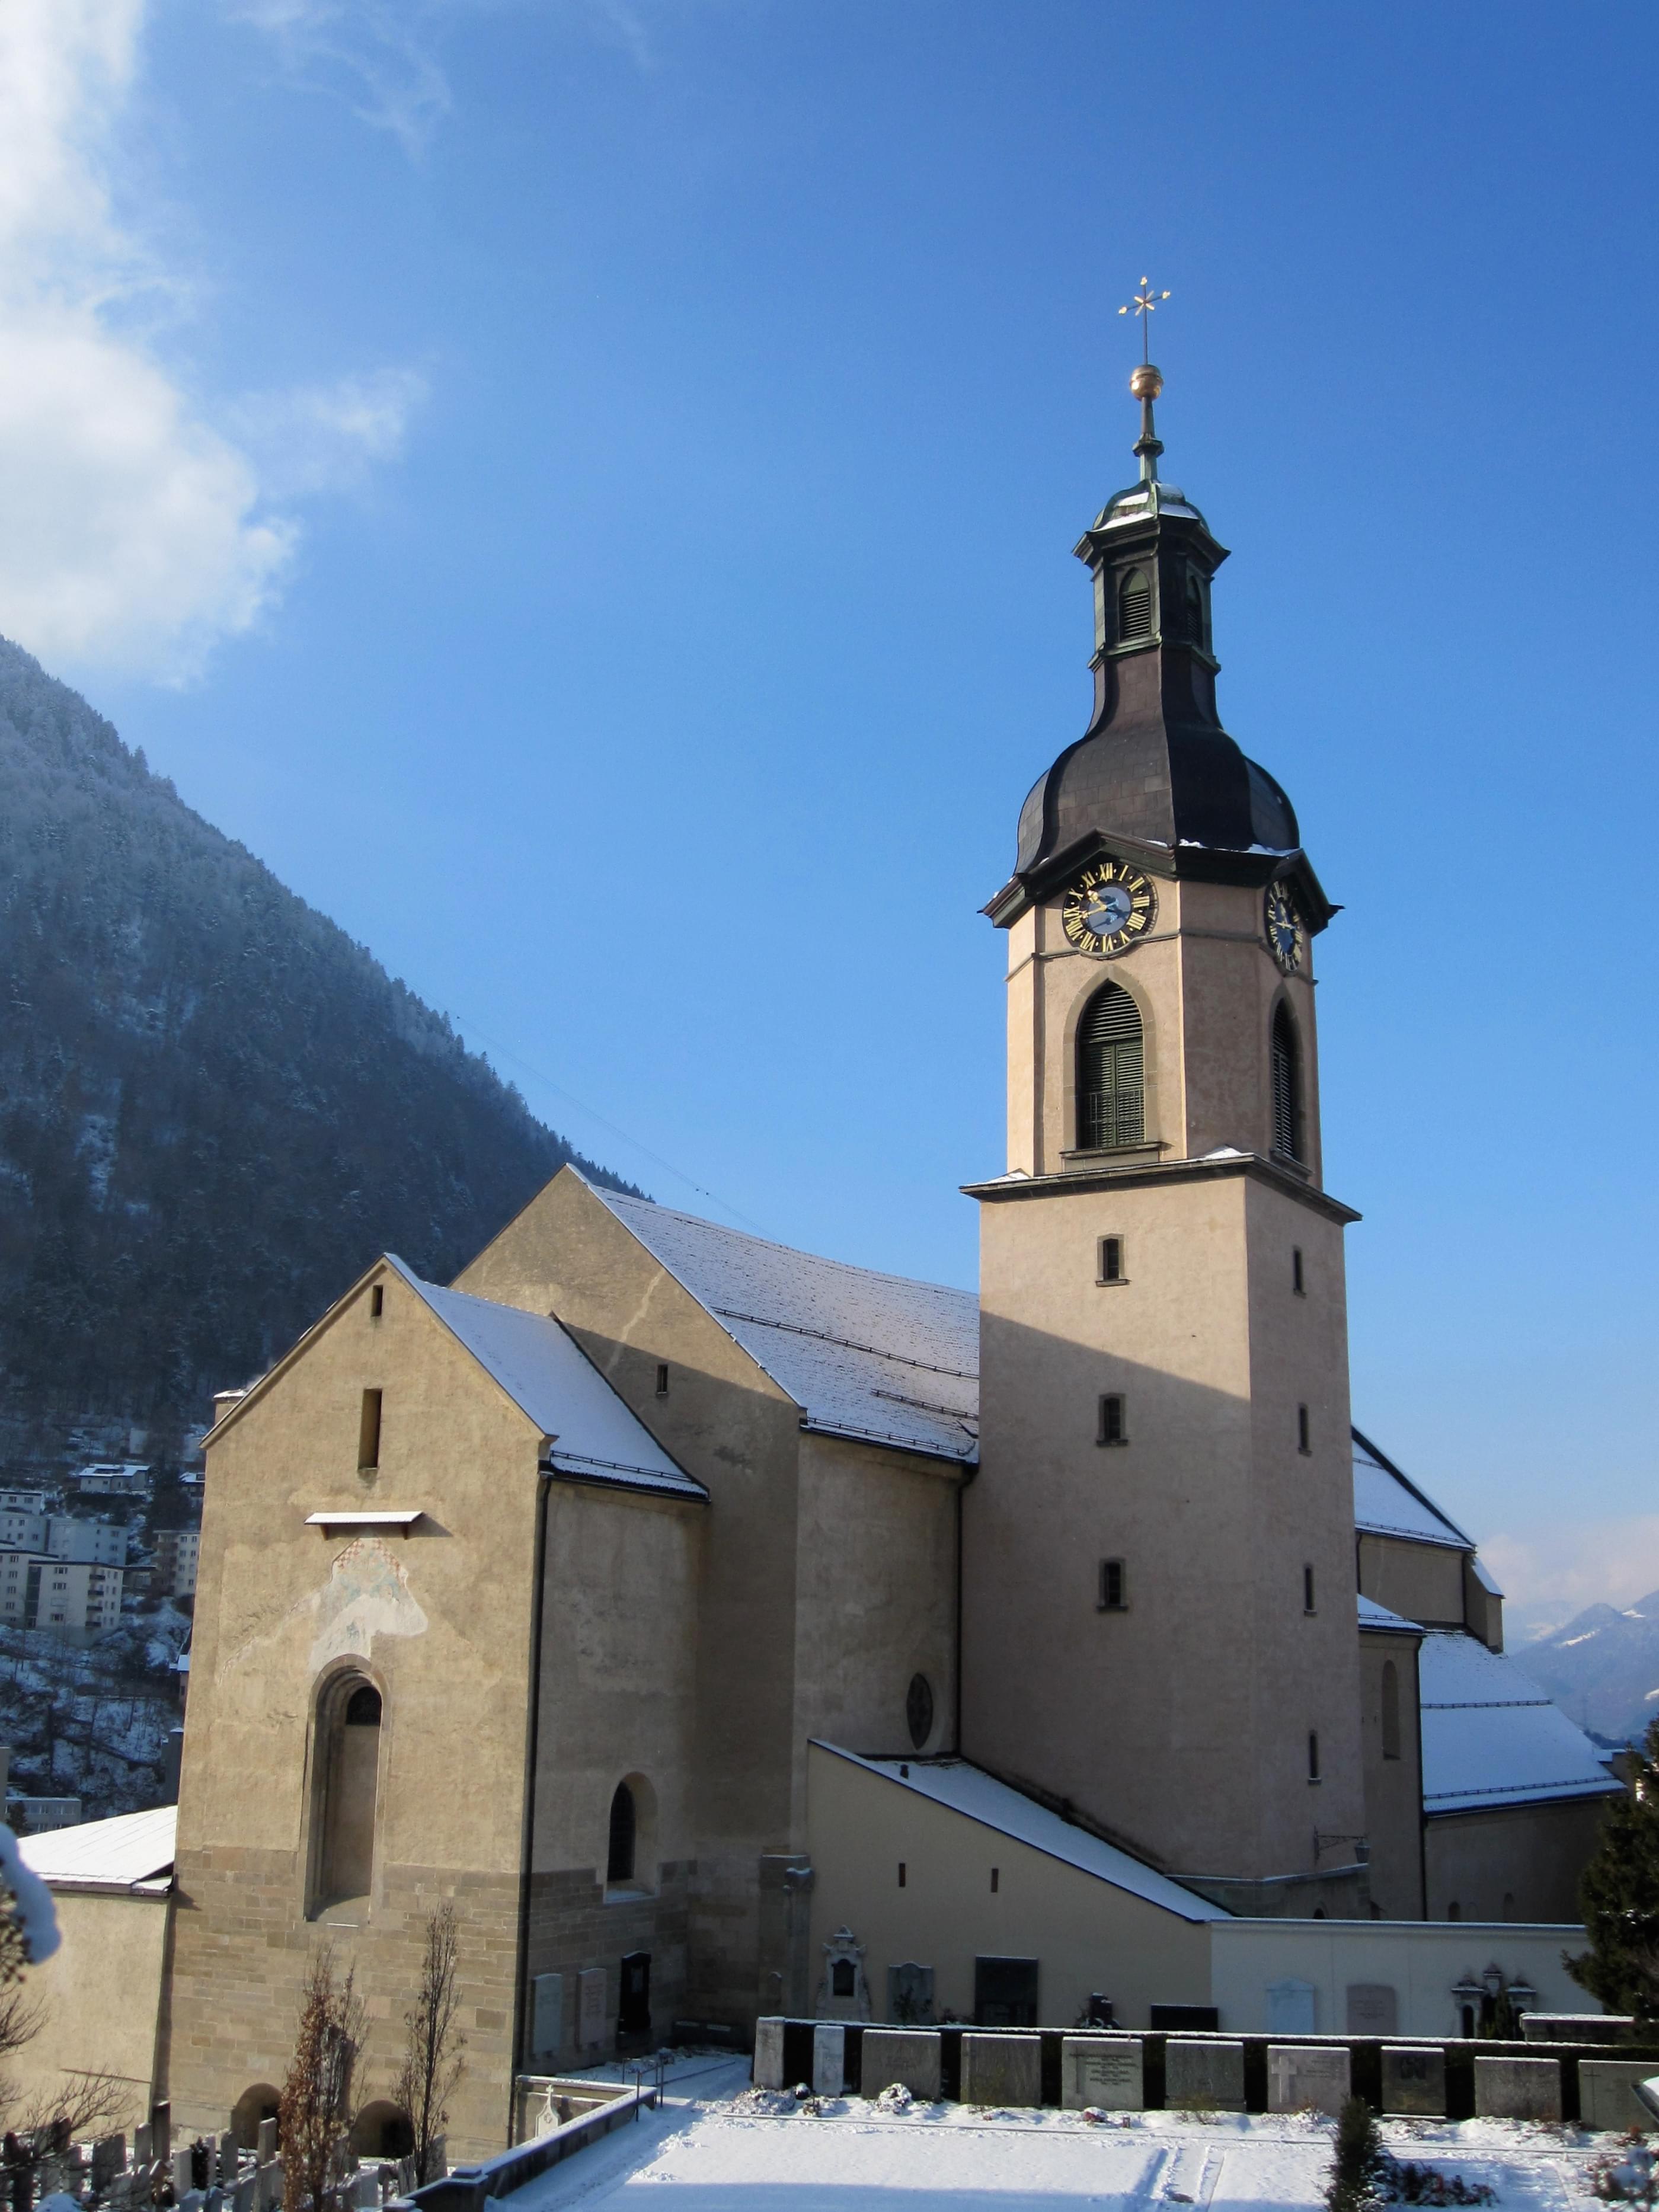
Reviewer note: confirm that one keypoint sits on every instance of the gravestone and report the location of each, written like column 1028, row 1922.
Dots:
column 214, row 2201
column 242, row 2197
column 269, row 2190
column 1607, row 2094
column 1373, row 2009
column 143, row 2142
column 767, row 2072
column 266, row 2150
column 228, row 2155
column 1001, row 2069
column 907, row 2055
column 192, row 2200
column 1415, row 2082
column 547, row 2014
column 1104, row 2071
column 1292, row 2008
column 109, row 2157
column 829, row 2059
column 181, row 2163
column 589, row 2006
column 843, row 1993
column 364, row 2194
column 1517, row 2088
column 910, row 1994
column 1203, row 2077
column 1308, row 2077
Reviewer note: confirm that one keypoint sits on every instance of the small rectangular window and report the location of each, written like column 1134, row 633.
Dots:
column 1112, row 1429
column 1114, row 1596
column 996, row 1880
column 1111, row 1260
column 1297, row 1283
column 1313, row 1754
column 902, row 1871
column 377, row 1302
column 369, row 1432
column 1308, row 1604
column 1302, row 1443
column 662, row 1380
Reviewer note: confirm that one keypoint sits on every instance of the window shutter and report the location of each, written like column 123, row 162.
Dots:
column 1111, row 1072
column 1135, row 606
column 1286, row 1088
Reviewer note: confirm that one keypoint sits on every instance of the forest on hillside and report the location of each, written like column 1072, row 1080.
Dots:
column 215, row 1108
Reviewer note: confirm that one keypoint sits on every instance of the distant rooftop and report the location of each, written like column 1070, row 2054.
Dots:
column 862, row 1355
column 132, row 1851
column 1490, row 1736
column 1387, row 1503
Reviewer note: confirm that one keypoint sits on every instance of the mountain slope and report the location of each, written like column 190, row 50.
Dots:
column 215, row 1108
column 1603, row 1667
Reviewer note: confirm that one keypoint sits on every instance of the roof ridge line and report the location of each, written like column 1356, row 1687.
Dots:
column 850, row 1344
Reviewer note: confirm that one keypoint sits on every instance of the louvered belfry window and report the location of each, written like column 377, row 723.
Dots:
column 1135, row 606
column 1286, row 1085
column 1110, row 1077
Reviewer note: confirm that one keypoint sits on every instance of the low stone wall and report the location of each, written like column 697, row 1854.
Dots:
column 466, row 2188
column 1154, row 2071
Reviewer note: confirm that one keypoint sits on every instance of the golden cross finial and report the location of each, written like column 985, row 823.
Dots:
column 1146, row 300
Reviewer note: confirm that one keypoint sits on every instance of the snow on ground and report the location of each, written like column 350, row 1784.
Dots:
column 719, row 2147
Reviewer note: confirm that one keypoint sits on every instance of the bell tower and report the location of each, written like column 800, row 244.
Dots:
column 1160, row 1606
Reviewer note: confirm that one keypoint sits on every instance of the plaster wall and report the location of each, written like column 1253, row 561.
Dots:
column 1418, row 1961
column 1394, row 1787
column 112, row 1943
column 1213, row 1515
column 440, row 1620
column 1086, row 1935
column 1532, row 1855
column 1420, row 1582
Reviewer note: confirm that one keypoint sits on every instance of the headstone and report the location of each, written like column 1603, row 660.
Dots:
column 215, row 2200
column 181, row 2170
column 1607, row 2094
column 769, row 2054
column 829, row 2059
column 1414, row 2081
column 1105, row 2071
column 192, row 2200
column 1292, row 2008
column 228, row 2156
column 1308, row 2077
column 269, row 2190
column 266, row 2150
column 143, row 2142
column 161, row 2121
column 364, row 2192
column 109, row 2157
column 1001, row 2069
column 910, row 1994
column 1373, row 2009
column 547, row 2014
column 1517, row 2088
column 843, row 1993
column 242, row 2197
column 1203, row 2077
column 589, row 2006
column 907, row 2055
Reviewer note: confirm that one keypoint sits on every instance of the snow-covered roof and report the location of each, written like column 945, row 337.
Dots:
column 134, row 1848
column 1387, row 1503
column 967, row 1790
column 597, row 1438
column 861, row 1354
column 1373, row 1615
column 1490, row 1736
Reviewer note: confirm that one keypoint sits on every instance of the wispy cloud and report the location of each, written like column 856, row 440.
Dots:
column 1578, row 1562
column 375, row 55
column 136, row 528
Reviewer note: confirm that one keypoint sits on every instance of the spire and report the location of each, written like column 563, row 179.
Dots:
column 1147, row 382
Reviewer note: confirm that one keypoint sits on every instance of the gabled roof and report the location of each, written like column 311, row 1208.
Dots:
column 548, row 1376
column 1387, row 1503
column 967, row 1790
column 1377, row 1617
column 132, row 1851
column 1491, row 1737
column 862, row 1355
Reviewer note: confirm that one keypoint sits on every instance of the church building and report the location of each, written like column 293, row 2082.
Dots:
column 731, row 1631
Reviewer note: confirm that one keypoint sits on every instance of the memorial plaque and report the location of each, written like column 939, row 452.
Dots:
column 1001, row 2069
column 767, row 2072
column 1308, row 2077
column 829, row 2059
column 1203, row 2077
column 1415, row 2082
column 1373, row 2009
column 1517, row 2088
column 1607, row 2094
column 1107, row 2072
column 589, row 2006
column 547, row 2015
column 909, row 2056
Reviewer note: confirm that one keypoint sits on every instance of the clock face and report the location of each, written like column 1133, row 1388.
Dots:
column 1110, row 907
column 1286, row 935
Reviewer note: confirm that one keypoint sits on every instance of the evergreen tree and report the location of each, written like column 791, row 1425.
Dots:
column 1356, row 2179
column 1619, row 1897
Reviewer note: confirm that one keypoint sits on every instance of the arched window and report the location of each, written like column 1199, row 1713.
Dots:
column 348, row 1776
column 1390, row 1709
column 1196, row 624
column 619, row 1858
column 1135, row 606
column 1110, row 1074
column 1286, row 1085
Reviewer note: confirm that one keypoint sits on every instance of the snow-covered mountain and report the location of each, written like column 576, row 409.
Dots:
column 1602, row 1667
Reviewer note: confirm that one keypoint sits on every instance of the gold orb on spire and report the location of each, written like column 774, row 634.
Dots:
column 1147, row 382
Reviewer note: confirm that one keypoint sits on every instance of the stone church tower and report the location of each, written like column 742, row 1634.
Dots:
column 1159, row 1576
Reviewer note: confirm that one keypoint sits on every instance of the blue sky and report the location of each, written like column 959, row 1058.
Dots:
column 585, row 490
